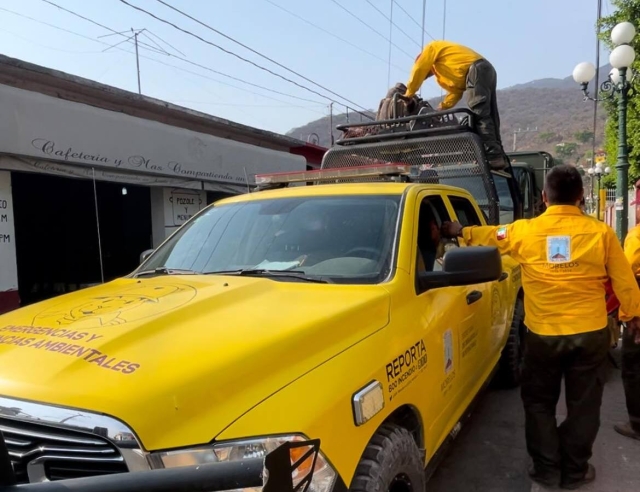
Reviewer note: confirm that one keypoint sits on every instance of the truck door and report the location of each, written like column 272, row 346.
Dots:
column 481, row 342
column 443, row 314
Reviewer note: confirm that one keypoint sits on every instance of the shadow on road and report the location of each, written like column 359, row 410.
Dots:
column 490, row 452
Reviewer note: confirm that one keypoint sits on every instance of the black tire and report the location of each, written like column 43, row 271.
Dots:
column 391, row 462
column 510, row 369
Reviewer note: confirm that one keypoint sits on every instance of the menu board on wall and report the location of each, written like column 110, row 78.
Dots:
column 8, row 267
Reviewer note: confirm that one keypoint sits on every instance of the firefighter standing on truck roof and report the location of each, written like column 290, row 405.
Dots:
column 566, row 257
column 631, row 350
column 458, row 68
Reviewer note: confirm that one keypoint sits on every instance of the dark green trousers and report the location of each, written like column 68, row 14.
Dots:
column 631, row 378
column 482, row 100
column 581, row 361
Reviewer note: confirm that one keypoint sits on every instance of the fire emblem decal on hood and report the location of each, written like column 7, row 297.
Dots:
column 130, row 304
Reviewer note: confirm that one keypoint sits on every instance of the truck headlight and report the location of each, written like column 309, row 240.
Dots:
column 324, row 475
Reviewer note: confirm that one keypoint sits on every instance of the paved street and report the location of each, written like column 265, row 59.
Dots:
column 490, row 453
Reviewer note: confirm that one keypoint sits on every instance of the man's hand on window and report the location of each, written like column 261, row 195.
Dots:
column 451, row 229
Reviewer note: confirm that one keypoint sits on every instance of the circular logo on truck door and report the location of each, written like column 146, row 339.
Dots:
column 130, row 304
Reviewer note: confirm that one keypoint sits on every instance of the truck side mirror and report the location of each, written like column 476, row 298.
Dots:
column 465, row 266
column 145, row 254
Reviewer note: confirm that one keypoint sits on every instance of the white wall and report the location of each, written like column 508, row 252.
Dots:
column 8, row 265
column 172, row 207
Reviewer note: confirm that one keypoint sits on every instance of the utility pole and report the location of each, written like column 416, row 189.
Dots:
column 135, row 37
column 424, row 14
column 151, row 45
column 331, row 124
column 390, row 36
column 515, row 135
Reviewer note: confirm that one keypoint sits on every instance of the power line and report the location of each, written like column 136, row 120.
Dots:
column 186, row 60
column 148, row 46
column 332, row 34
column 369, row 27
column 424, row 9
column 242, row 58
column 390, row 19
column 160, row 61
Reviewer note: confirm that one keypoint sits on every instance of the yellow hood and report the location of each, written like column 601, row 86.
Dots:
column 184, row 354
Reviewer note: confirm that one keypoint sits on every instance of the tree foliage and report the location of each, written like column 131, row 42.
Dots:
column 566, row 149
column 549, row 137
column 626, row 10
column 584, row 136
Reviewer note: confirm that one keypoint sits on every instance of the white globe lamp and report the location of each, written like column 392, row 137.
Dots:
column 623, row 33
column 584, row 72
column 615, row 76
column 622, row 56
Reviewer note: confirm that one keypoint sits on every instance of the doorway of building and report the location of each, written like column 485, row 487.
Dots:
column 57, row 234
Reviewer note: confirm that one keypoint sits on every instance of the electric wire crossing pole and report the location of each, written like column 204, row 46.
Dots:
column 133, row 38
column 515, row 135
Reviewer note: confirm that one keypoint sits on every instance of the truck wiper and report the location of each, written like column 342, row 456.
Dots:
column 262, row 272
column 163, row 270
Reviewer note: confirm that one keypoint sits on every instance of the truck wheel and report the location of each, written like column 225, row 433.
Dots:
column 510, row 369
column 391, row 463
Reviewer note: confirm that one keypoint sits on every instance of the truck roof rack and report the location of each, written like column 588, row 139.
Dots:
column 426, row 123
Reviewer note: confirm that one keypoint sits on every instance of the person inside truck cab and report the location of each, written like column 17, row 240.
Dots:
column 458, row 69
column 430, row 247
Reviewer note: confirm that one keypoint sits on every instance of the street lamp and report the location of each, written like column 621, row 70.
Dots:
column 620, row 83
column 598, row 171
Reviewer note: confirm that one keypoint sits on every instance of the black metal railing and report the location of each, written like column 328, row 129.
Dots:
column 275, row 473
column 420, row 125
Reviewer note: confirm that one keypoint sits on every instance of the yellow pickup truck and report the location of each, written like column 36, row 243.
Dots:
column 332, row 312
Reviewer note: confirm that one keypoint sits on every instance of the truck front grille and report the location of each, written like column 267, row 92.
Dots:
column 42, row 452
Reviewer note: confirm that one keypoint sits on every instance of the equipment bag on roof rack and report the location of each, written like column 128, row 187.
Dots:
column 395, row 106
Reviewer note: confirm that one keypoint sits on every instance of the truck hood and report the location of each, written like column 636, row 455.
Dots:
column 159, row 352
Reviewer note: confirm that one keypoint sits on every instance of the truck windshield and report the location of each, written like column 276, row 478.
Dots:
column 345, row 239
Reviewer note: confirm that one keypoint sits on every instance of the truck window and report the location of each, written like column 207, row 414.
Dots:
column 465, row 211
column 524, row 181
column 430, row 245
column 505, row 198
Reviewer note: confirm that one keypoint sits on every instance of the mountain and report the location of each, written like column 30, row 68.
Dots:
column 555, row 107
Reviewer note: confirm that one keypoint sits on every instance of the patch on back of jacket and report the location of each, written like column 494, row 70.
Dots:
column 558, row 249
column 501, row 233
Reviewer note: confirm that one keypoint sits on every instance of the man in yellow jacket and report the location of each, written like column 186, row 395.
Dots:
column 631, row 350
column 458, row 69
column 566, row 258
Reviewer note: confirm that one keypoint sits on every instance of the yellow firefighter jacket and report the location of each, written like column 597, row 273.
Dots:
column 632, row 249
column 566, row 259
column 450, row 63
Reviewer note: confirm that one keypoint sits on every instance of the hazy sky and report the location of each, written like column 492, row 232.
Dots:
column 524, row 39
